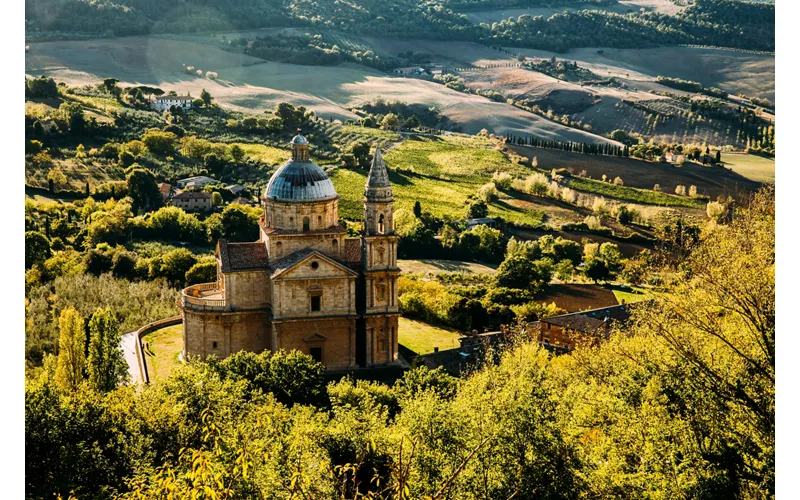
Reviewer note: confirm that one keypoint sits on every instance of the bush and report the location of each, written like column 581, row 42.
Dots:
column 519, row 272
column 202, row 272
column 680, row 190
column 488, row 192
column 502, row 180
column 593, row 222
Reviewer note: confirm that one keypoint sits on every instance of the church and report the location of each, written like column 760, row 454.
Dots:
column 304, row 284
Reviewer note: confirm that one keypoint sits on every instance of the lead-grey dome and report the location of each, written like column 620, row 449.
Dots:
column 300, row 181
column 299, row 139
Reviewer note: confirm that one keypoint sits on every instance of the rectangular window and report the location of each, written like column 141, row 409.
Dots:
column 214, row 345
column 316, row 353
column 316, row 301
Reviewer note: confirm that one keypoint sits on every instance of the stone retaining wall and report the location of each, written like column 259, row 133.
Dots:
column 155, row 325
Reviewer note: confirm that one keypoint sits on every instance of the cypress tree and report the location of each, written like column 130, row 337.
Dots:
column 71, row 357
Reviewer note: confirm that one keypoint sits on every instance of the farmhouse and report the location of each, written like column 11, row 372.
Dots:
column 196, row 181
column 191, row 201
column 410, row 70
column 585, row 327
column 165, row 190
column 235, row 189
column 163, row 102
column 304, row 284
column 674, row 157
column 481, row 221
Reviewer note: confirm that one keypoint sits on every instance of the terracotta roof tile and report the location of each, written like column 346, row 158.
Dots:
column 242, row 256
column 352, row 250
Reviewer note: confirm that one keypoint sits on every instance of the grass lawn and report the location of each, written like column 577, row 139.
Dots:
column 636, row 295
column 422, row 337
column 436, row 266
column 165, row 345
column 373, row 133
column 266, row 154
column 753, row 167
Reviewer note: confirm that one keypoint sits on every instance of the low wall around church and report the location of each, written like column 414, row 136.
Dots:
column 150, row 327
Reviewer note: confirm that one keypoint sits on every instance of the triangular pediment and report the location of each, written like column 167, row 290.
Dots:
column 310, row 264
column 316, row 337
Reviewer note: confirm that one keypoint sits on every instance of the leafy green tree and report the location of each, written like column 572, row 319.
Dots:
column 291, row 117
column 596, row 269
column 565, row 269
column 216, row 199
column 37, row 248
column 390, row 122
column 477, row 210
column 519, row 272
column 204, row 271
column 239, row 224
column 237, row 153
column 71, row 344
column 176, row 263
column 143, row 189
column 206, row 97
column 106, row 364
column 123, row 265
column 160, row 143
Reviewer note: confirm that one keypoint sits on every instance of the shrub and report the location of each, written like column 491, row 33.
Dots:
column 502, row 180
column 693, row 191
column 488, row 192
column 618, row 181
column 657, row 188
column 716, row 210
column 592, row 222
column 680, row 190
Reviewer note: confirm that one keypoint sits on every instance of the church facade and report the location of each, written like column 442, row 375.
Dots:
column 304, row 284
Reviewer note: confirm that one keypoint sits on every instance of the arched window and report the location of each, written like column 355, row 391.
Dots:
column 306, row 224
column 380, row 224
column 335, row 245
column 319, row 221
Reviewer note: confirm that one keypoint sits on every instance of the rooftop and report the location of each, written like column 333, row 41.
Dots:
column 591, row 321
column 192, row 195
column 241, row 256
column 300, row 179
column 175, row 98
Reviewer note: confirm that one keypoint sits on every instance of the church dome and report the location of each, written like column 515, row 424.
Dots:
column 300, row 179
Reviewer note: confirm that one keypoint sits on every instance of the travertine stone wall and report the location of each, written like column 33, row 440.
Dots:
column 329, row 243
column 232, row 332
column 283, row 215
column 382, row 339
column 247, row 289
column 372, row 217
column 293, row 297
column 336, row 337
column 380, row 252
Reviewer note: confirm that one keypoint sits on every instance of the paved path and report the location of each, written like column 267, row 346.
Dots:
column 129, row 349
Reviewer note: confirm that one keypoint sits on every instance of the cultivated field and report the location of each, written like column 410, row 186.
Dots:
column 622, row 7
column 732, row 71
column 246, row 83
column 710, row 181
column 440, row 173
column 577, row 297
column 753, row 167
column 437, row 266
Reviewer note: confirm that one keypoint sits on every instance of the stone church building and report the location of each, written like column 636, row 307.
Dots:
column 304, row 284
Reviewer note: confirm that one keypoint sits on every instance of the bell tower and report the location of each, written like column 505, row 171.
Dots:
column 379, row 259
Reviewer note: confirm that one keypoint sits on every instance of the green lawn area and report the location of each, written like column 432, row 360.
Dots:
column 753, row 167
column 626, row 193
column 637, row 295
column 441, row 174
column 265, row 154
column 165, row 345
column 422, row 337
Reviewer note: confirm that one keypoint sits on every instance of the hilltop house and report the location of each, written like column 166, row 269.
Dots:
column 197, row 181
column 304, row 285
column 193, row 201
column 163, row 102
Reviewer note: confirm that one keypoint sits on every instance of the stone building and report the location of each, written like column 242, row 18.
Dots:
column 304, row 284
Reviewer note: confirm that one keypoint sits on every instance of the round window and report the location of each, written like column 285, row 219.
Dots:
column 314, row 265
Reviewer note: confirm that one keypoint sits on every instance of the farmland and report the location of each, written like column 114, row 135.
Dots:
column 753, row 167
column 436, row 266
column 710, row 181
column 622, row 7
